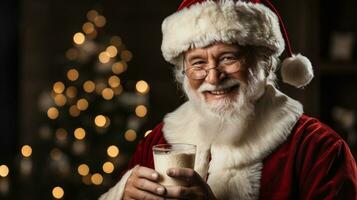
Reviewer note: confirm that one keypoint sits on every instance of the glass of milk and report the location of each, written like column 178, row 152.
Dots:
column 173, row 155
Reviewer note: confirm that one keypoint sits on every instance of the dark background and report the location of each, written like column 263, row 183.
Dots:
column 34, row 36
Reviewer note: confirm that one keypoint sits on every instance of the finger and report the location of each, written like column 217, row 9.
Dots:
column 140, row 194
column 177, row 192
column 148, row 173
column 184, row 173
column 147, row 185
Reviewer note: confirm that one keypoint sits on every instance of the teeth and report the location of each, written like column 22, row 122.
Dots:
column 219, row 92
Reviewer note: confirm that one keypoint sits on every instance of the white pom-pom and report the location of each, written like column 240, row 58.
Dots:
column 297, row 71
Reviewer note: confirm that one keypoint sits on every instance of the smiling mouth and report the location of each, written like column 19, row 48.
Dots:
column 223, row 91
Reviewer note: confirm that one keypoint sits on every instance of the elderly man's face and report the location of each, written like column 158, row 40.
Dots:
column 226, row 71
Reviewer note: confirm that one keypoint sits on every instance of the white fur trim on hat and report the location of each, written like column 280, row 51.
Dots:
column 227, row 21
column 297, row 71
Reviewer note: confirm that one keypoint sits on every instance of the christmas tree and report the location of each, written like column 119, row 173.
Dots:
column 92, row 116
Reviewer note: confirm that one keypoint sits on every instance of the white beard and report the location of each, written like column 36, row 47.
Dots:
column 229, row 116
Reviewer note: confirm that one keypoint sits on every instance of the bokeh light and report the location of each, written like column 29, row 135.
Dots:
column 60, row 100
column 88, row 28
column 141, row 111
column 72, row 74
column 52, row 113
column 104, row 57
column 74, row 111
column 119, row 67
column 100, row 21
column 108, row 93
column 100, row 120
column 126, row 55
column 82, row 104
column 72, row 54
column 130, row 135
column 97, row 179
column 79, row 38
column 116, row 40
column 108, row 167
column 57, row 192
column 89, row 86
column 79, row 133
column 142, row 87
column 61, row 134
column 91, row 15
column 114, row 81
column 83, row 169
column 71, row 92
column 112, row 50
column 58, row 87
column 113, row 151
column 4, row 170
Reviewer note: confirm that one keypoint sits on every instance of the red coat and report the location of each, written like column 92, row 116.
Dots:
column 313, row 163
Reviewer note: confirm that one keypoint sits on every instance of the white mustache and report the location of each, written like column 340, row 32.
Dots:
column 206, row 87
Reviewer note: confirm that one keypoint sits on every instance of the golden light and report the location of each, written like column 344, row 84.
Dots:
column 83, row 169
column 126, row 55
column 71, row 92
column 97, row 179
column 118, row 90
column 142, row 87
column 72, row 74
column 71, row 54
column 147, row 133
column 114, row 81
column 57, row 192
column 61, row 134
column 58, row 87
column 26, row 151
column 4, row 171
column 113, row 151
column 92, row 35
column 100, row 21
column 79, row 38
column 116, row 40
column 104, row 57
column 79, row 133
column 119, row 67
column 100, row 120
column 82, row 104
column 89, row 86
column 108, row 167
column 60, row 100
column 130, row 135
column 52, row 113
column 112, row 50
column 100, row 86
column 55, row 154
column 88, row 28
column 74, row 111
column 108, row 93
column 141, row 111
column 91, row 15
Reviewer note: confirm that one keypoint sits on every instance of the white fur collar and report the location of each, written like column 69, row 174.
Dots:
column 275, row 115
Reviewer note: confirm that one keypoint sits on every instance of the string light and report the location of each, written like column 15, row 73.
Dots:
column 100, row 120
column 118, row 67
column 4, row 171
column 58, row 87
column 79, row 38
column 52, row 113
column 130, row 135
column 100, row 21
column 89, row 86
column 108, row 93
column 88, row 28
column 147, row 133
column 126, row 55
column 82, row 104
column 83, row 170
column 113, row 151
column 91, row 15
column 141, row 111
column 71, row 92
column 57, row 192
column 72, row 74
column 74, row 111
column 142, row 87
column 97, row 179
column 108, row 167
column 104, row 57
column 79, row 133
column 60, row 99
column 114, row 81
column 112, row 51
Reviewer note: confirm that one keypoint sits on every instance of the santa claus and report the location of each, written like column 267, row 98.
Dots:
column 253, row 141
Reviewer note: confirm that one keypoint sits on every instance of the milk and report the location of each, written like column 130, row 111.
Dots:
column 166, row 160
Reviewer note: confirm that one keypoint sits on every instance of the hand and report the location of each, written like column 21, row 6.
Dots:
column 142, row 184
column 197, row 188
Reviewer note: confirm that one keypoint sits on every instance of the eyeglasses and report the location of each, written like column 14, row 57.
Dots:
column 227, row 65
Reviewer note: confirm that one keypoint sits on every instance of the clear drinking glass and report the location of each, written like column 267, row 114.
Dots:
column 173, row 155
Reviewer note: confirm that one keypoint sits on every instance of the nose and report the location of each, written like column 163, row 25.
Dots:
column 214, row 76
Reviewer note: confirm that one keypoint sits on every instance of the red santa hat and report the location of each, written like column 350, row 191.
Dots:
column 199, row 23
